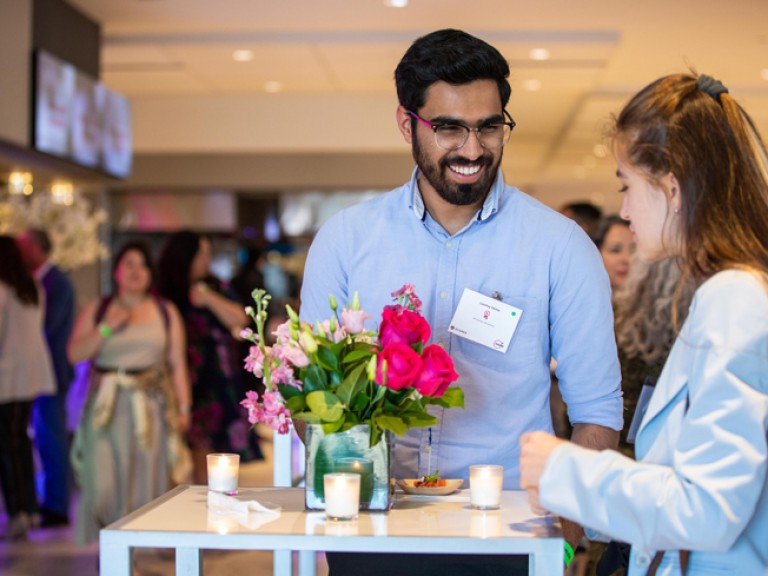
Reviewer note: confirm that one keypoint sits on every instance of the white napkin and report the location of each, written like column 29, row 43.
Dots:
column 223, row 503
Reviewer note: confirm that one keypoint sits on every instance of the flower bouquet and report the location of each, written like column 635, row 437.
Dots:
column 337, row 376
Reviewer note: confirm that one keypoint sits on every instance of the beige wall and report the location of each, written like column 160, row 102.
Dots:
column 15, row 60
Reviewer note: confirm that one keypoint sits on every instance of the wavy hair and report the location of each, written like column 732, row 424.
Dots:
column 650, row 308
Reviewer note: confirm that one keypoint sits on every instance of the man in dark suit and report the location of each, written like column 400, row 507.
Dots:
column 50, row 412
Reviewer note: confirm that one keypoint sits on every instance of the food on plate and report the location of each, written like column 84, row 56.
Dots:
column 430, row 481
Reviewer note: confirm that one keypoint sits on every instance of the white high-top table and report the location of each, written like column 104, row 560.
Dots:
column 181, row 519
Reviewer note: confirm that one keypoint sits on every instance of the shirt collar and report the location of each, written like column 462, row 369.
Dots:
column 489, row 207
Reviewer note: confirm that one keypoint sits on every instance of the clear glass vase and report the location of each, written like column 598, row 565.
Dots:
column 349, row 451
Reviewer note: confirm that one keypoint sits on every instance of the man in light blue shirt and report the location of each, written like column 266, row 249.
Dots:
column 456, row 225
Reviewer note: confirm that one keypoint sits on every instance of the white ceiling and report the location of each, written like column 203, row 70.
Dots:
column 335, row 60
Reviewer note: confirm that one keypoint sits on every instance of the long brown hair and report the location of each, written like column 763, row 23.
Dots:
column 711, row 146
column 14, row 273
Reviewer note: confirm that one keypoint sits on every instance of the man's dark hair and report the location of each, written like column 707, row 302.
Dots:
column 452, row 56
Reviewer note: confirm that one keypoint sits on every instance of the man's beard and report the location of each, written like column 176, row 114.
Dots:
column 456, row 194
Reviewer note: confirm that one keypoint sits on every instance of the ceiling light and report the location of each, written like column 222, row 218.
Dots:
column 273, row 86
column 395, row 3
column 539, row 54
column 531, row 85
column 242, row 55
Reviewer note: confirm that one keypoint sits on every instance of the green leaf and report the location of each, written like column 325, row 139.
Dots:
column 305, row 417
column 360, row 402
column 327, row 358
column 296, row 404
column 325, row 405
column 356, row 355
column 376, row 434
column 420, row 420
column 314, row 378
column 288, row 392
column 392, row 423
column 352, row 384
column 452, row 398
column 331, row 427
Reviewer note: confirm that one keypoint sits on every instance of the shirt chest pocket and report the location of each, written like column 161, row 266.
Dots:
column 525, row 345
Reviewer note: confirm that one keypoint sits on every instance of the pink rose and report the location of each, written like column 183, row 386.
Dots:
column 437, row 372
column 403, row 366
column 402, row 326
column 353, row 321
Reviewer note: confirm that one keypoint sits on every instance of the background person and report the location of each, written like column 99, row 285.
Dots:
column 128, row 444
column 219, row 423
column 695, row 178
column 585, row 214
column 616, row 244
column 435, row 232
column 49, row 414
column 25, row 374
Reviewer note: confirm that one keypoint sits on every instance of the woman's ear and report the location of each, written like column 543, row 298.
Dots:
column 672, row 186
column 404, row 123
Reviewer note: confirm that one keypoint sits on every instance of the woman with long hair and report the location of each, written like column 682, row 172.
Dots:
column 128, row 447
column 694, row 174
column 211, row 318
column 25, row 373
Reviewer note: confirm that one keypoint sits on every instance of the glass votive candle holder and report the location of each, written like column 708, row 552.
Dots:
column 342, row 495
column 223, row 472
column 363, row 467
column 485, row 482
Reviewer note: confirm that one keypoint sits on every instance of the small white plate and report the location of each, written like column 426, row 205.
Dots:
column 409, row 487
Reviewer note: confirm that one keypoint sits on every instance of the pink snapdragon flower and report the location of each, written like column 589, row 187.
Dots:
column 254, row 362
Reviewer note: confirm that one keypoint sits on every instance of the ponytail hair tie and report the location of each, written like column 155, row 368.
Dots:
column 711, row 86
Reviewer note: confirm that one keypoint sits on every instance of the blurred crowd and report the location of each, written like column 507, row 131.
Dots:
column 162, row 358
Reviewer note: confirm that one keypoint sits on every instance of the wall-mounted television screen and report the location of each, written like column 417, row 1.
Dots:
column 79, row 119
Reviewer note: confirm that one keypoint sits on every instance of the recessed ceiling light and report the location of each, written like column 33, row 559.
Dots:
column 273, row 86
column 242, row 55
column 539, row 54
column 532, row 85
column 395, row 3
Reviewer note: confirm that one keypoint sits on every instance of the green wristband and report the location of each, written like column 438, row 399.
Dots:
column 105, row 330
column 568, row 554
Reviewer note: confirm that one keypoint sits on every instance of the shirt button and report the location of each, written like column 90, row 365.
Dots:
column 443, row 294
column 643, row 559
column 449, row 244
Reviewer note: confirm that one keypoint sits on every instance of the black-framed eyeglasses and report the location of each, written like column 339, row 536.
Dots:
column 493, row 135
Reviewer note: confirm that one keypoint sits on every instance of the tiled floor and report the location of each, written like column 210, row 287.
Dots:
column 52, row 552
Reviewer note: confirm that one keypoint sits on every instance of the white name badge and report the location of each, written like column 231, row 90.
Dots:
column 485, row 320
